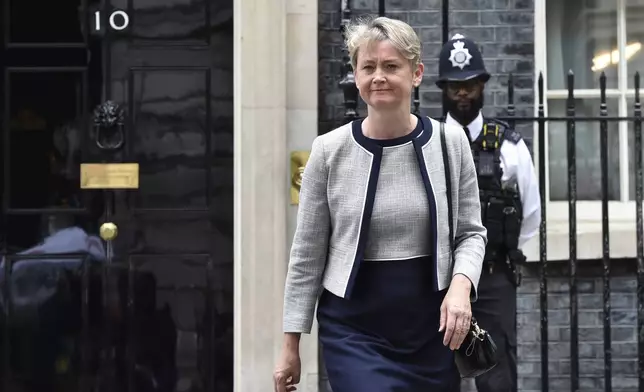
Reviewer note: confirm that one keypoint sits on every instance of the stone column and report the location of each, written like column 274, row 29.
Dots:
column 260, row 189
column 302, row 126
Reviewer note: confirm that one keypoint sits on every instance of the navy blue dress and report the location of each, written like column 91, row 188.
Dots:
column 385, row 338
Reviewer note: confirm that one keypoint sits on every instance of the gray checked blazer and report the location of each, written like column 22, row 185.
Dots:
column 336, row 199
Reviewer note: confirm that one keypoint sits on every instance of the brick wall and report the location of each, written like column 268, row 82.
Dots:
column 623, row 301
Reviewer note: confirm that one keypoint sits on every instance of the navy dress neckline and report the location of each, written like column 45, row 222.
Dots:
column 357, row 131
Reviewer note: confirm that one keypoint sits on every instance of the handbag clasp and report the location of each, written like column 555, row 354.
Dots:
column 477, row 331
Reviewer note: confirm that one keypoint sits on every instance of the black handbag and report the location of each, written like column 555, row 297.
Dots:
column 478, row 353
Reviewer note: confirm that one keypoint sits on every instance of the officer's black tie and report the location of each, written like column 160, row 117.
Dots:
column 467, row 133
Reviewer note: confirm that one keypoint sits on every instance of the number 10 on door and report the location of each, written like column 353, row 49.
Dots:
column 118, row 20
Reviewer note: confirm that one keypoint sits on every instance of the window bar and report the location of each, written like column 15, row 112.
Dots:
column 543, row 248
column 637, row 124
column 572, row 233
column 603, row 152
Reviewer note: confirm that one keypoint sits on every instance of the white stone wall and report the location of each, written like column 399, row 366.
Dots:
column 302, row 128
column 275, row 113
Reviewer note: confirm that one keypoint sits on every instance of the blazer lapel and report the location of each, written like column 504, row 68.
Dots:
column 419, row 143
column 374, row 172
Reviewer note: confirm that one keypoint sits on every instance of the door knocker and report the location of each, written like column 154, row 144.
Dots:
column 109, row 124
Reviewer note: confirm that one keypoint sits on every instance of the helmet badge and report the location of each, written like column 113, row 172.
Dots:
column 460, row 56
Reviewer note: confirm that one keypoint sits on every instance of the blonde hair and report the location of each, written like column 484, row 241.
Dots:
column 368, row 30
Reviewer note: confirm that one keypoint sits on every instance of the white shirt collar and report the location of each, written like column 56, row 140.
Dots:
column 474, row 127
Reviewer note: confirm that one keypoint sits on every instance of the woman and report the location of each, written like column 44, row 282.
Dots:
column 372, row 235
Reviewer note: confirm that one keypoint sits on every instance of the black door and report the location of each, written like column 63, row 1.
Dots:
column 116, row 289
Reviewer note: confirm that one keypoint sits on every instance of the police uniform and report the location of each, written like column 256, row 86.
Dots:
column 511, row 212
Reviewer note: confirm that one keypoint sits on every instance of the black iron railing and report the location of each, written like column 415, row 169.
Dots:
column 571, row 119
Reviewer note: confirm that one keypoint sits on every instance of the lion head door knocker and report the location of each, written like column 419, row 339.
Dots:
column 109, row 124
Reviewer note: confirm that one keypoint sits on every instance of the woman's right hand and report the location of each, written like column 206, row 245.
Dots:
column 288, row 370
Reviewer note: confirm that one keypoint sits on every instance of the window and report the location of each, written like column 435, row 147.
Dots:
column 590, row 37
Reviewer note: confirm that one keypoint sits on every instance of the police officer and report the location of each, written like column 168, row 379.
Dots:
column 510, row 203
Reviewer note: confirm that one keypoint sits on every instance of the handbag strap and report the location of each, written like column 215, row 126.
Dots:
column 450, row 214
column 448, row 191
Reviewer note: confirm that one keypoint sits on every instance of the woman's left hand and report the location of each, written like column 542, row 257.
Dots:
column 456, row 312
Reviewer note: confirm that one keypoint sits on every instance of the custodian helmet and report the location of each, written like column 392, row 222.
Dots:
column 460, row 59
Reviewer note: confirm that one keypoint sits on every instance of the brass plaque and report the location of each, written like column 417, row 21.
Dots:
column 109, row 176
column 298, row 162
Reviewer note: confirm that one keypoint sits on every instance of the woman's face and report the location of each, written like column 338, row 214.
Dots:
column 384, row 77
